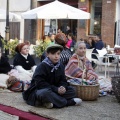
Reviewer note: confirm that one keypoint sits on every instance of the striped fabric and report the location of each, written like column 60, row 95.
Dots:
column 65, row 56
column 76, row 67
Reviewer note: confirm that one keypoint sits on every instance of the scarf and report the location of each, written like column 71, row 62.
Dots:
column 49, row 62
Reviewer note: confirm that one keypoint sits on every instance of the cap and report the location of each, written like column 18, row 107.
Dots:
column 54, row 46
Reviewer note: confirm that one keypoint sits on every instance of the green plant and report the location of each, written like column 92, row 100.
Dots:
column 10, row 45
column 39, row 49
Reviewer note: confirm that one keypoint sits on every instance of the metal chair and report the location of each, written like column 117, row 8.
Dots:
column 99, row 61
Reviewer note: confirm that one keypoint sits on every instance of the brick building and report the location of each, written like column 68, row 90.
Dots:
column 103, row 20
column 103, row 14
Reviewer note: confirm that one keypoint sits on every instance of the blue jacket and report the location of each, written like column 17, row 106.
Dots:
column 98, row 45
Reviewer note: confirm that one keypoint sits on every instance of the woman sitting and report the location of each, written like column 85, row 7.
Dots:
column 23, row 61
column 79, row 66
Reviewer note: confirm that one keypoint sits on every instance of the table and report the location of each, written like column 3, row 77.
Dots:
column 107, row 56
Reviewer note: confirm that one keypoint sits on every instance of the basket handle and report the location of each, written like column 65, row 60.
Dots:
column 84, row 72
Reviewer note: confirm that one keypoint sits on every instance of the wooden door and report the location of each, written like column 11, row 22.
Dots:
column 14, row 30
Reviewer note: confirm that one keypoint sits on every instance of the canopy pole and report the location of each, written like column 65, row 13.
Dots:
column 7, row 29
column 56, row 25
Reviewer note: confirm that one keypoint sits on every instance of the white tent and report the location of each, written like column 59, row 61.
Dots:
column 12, row 16
column 56, row 10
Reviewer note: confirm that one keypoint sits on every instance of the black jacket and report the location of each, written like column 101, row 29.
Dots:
column 44, row 78
column 27, row 64
column 4, row 65
column 1, row 40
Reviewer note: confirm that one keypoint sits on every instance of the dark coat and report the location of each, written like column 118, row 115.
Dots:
column 44, row 78
column 1, row 40
column 90, row 47
column 4, row 65
column 98, row 45
column 27, row 64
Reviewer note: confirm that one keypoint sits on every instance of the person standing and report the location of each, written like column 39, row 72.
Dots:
column 68, row 30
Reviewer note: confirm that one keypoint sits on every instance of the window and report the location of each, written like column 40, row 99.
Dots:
column 96, row 15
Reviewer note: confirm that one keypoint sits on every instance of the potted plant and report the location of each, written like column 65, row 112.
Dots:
column 10, row 45
column 39, row 49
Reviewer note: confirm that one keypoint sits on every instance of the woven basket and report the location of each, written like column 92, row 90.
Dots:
column 87, row 92
column 116, row 86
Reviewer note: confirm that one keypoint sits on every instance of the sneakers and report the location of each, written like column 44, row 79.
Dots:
column 48, row 105
column 74, row 101
column 77, row 101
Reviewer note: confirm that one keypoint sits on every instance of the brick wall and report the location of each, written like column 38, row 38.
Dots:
column 108, row 21
column 82, row 31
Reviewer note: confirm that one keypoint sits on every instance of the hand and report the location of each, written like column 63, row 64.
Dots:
column 61, row 90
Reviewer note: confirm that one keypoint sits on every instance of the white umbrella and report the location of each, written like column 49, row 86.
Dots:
column 56, row 10
column 12, row 16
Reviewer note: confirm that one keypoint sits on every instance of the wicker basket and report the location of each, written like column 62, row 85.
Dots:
column 87, row 92
column 116, row 86
column 116, row 82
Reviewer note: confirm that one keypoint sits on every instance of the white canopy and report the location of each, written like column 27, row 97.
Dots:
column 12, row 16
column 56, row 10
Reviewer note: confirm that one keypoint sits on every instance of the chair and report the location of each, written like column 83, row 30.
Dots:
column 99, row 61
column 89, row 54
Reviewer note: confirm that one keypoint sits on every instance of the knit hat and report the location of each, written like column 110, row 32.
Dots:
column 54, row 46
column 20, row 46
column 61, row 39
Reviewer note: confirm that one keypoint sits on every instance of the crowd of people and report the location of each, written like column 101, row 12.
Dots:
column 48, row 86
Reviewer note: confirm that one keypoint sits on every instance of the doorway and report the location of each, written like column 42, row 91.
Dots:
column 62, row 24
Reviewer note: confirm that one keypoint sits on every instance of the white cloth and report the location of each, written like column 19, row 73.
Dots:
column 20, row 75
column 105, row 84
column 3, row 79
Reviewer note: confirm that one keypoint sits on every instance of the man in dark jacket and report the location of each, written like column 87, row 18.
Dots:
column 98, row 45
column 49, row 86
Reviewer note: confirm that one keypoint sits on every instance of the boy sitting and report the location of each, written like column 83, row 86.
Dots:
column 49, row 86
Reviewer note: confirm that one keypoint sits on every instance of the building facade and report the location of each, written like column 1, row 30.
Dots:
column 16, row 27
column 117, row 22
column 105, row 20
column 103, row 16
column 102, row 22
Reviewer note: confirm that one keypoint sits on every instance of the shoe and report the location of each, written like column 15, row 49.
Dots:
column 77, row 101
column 48, row 105
column 74, row 101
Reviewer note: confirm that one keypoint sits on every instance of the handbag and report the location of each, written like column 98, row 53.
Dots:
column 14, row 84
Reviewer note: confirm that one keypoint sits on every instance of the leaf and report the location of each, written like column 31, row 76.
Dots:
column 10, row 45
column 39, row 49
